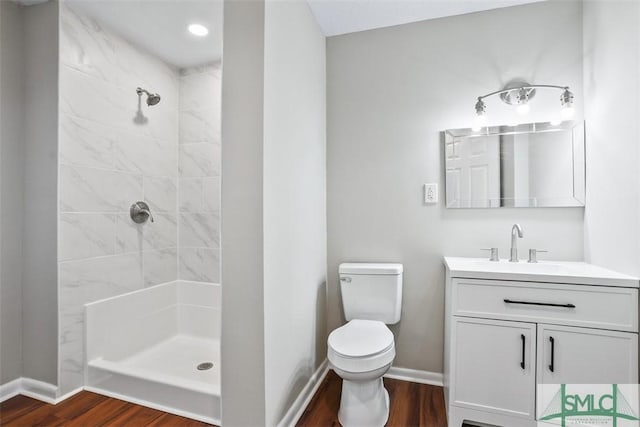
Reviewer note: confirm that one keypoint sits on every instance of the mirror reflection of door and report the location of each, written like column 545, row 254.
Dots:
column 527, row 165
column 473, row 172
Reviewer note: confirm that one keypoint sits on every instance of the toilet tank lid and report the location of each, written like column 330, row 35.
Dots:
column 369, row 268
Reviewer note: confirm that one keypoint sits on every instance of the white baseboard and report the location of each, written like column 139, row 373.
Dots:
column 300, row 404
column 68, row 395
column 10, row 389
column 39, row 390
column 415, row 375
column 34, row 389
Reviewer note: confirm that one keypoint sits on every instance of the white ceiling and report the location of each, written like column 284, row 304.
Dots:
column 160, row 26
column 348, row 16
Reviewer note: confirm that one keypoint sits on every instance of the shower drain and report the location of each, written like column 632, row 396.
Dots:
column 205, row 366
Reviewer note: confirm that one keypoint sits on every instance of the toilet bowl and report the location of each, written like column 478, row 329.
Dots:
column 361, row 352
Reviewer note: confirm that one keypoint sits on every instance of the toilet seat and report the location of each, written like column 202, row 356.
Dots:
column 361, row 346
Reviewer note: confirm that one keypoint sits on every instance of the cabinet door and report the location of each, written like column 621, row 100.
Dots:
column 571, row 355
column 493, row 366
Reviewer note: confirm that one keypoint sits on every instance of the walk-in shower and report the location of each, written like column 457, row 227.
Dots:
column 158, row 346
column 139, row 292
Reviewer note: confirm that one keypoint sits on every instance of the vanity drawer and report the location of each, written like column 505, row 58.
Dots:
column 577, row 305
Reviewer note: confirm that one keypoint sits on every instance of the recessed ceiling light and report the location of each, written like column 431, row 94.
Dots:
column 198, row 30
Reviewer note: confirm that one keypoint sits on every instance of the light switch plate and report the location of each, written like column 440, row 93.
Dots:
column 431, row 193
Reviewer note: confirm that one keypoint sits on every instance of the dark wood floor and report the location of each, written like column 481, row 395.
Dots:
column 86, row 409
column 412, row 404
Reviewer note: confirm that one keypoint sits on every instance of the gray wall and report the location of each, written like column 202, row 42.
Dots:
column 295, row 232
column 273, row 208
column 243, row 399
column 29, row 189
column 40, row 291
column 11, row 189
column 389, row 93
column 612, row 87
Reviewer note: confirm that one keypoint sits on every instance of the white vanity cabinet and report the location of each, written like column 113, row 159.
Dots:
column 569, row 355
column 509, row 328
column 493, row 365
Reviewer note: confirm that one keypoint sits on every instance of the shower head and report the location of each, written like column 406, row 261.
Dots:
column 152, row 98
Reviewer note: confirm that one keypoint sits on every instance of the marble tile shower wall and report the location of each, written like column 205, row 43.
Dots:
column 113, row 151
column 199, row 171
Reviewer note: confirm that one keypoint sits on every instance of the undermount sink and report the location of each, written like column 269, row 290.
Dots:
column 542, row 271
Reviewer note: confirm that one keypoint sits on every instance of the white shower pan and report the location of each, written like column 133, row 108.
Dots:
column 158, row 347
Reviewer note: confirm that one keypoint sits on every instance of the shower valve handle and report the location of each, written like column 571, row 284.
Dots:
column 140, row 212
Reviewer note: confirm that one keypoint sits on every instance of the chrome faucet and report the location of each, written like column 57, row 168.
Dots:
column 516, row 231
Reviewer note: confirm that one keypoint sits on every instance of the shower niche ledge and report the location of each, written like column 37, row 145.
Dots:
column 158, row 347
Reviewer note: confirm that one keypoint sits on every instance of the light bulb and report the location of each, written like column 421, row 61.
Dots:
column 198, row 30
column 479, row 123
column 568, row 112
column 523, row 109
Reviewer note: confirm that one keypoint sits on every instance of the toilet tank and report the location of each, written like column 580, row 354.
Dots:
column 371, row 291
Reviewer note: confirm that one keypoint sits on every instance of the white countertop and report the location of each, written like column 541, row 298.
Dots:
column 544, row 271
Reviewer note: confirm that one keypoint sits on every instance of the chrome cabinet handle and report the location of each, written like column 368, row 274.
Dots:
column 523, row 338
column 345, row 279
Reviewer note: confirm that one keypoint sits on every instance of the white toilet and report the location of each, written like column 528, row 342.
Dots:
column 362, row 351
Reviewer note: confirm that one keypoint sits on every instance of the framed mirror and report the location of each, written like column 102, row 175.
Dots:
column 527, row 165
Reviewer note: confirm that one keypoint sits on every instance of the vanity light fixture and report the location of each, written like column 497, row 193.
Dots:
column 522, row 100
column 198, row 30
column 520, row 94
column 481, row 116
column 567, row 104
